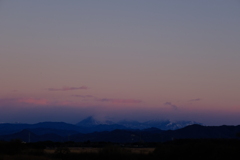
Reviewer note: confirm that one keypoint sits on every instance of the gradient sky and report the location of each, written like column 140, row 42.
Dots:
column 64, row 60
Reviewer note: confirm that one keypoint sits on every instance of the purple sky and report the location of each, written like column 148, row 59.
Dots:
column 129, row 59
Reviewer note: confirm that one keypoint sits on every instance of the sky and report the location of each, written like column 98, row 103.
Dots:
column 65, row 60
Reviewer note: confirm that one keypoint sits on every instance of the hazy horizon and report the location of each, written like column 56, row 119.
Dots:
column 129, row 59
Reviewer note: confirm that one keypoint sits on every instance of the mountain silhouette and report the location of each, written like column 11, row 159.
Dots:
column 130, row 136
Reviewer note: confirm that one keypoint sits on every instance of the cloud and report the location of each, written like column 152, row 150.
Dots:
column 23, row 101
column 171, row 105
column 83, row 96
column 67, row 88
column 119, row 100
column 33, row 101
column 197, row 99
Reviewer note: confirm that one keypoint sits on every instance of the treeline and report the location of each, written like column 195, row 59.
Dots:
column 176, row 149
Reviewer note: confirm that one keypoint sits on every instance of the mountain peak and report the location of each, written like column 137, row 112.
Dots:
column 87, row 122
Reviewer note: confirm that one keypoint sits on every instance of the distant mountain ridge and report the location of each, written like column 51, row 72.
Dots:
column 90, row 122
column 129, row 136
column 88, row 125
column 164, row 125
column 9, row 128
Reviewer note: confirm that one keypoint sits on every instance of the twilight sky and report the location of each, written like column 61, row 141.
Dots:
column 64, row 60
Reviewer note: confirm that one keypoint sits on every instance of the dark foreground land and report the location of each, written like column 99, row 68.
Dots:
column 176, row 149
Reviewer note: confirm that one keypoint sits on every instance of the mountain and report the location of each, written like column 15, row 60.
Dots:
column 88, row 125
column 156, row 135
column 168, row 125
column 94, row 125
column 8, row 128
column 88, row 122
column 42, row 131
column 28, row 136
column 129, row 136
column 133, row 124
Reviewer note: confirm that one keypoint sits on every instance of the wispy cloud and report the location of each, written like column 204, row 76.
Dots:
column 33, row 101
column 67, row 88
column 83, row 96
column 24, row 101
column 197, row 99
column 171, row 105
column 111, row 100
column 119, row 100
